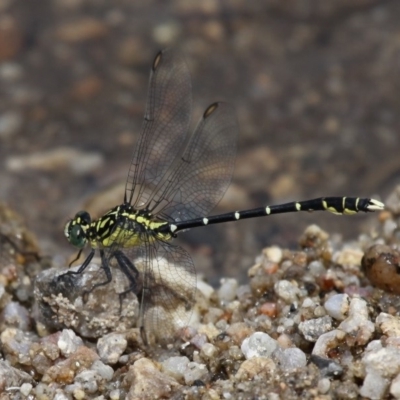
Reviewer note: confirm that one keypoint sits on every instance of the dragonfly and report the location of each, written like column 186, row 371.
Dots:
column 174, row 181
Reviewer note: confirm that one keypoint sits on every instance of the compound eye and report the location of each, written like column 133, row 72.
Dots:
column 77, row 236
column 83, row 218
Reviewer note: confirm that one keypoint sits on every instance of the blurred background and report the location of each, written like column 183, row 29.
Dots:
column 315, row 85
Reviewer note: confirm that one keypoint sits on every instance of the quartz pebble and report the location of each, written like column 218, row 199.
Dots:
column 287, row 291
column 228, row 289
column 314, row 328
column 68, row 342
column 337, row 306
column 259, row 344
column 175, row 367
column 357, row 324
column 111, row 347
column 291, row 359
column 195, row 371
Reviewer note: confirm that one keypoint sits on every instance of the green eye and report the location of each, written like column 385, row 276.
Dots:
column 77, row 236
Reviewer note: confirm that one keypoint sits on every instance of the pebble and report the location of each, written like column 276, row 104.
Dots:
column 327, row 367
column 388, row 324
column 175, row 367
column 273, row 254
column 204, row 288
column 395, row 387
column 195, row 371
column 261, row 367
column 68, row 342
column 110, row 347
column 357, row 324
column 259, row 344
column 337, row 306
column 384, row 361
column 144, row 377
column 208, row 351
column 228, row 289
column 324, row 385
column 374, row 386
column 328, row 341
column 26, row 389
column 381, row 265
column 291, row 359
column 312, row 329
column 287, row 291
column 15, row 315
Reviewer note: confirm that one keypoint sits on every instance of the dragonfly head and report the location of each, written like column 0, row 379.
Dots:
column 76, row 229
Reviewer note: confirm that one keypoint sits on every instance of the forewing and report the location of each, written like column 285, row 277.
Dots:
column 199, row 179
column 164, row 128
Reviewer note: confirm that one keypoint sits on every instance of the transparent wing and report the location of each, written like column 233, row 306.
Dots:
column 167, row 286
column 198, row 180
column 164, row 128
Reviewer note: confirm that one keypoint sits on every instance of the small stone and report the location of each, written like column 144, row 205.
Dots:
column 388, row 324
column 337, row 306
column 395, row 387
column 208, row 351
column 328, row 341
column 110, row 347
column 261, row 367
column 327, row 367
column 324, row 385
column 115, row 394
column 287, row 291
column 204, row 288
column 273, row 253
column 68, row 342
column 105, row 371
column 227, row 291
column 25, row 389
column 384, row 361
column 195, row 371
column 357, row 324
column 144, row 377
column 312, row 329
column 175, row 367
column 374, row 386
column 291, row 359
column 259, row 344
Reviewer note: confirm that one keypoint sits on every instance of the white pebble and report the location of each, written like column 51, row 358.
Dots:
column 312, row 329
column 195, row 371
column 228, row 289
column 68, row 342
column 273, row 253
column 291, row 359
column 324, row 385
column 374, row 386
column 175, row 367
column 208, row 350
column 357, row 324
column 395, row 387
column 205, row 289
column 259, row 344
column 105, row 371
column 110, row 347
column 25, row 389
column 287, row 291
column 337, row 306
